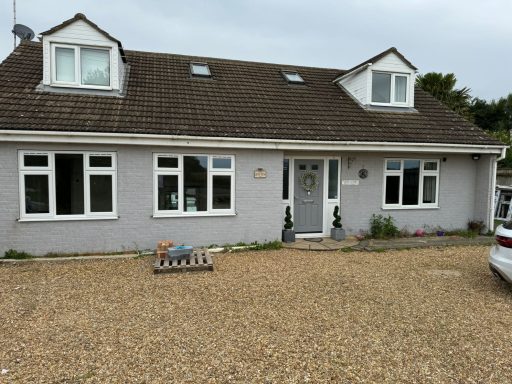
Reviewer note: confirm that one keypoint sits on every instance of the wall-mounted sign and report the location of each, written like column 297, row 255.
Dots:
column 260, row 173
column 349, row 182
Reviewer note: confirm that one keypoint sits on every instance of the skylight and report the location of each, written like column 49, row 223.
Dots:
column 200, row 69
column 293, row 77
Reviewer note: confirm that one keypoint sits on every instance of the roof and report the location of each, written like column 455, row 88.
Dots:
column 243, row 100
column 81, row 16
column 376, row 58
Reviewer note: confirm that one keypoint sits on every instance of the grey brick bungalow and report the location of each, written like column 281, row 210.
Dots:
column 103, row 148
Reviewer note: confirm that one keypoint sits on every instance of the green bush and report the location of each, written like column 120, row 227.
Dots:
column 383, row 227
column 288, row 219
column 13, row 254
column 337, row 218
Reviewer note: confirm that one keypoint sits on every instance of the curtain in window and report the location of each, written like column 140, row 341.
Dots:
column 400, row 89
column 65, row 64
column 429, row 189
column 95, row 66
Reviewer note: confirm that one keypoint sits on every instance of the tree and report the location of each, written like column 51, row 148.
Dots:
column 442, row 87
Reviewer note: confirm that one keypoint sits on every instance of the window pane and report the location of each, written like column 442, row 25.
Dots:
column 35, row 160
column 95, row 66
column 168, row 192
column 286, row 178
column 195, row 183
column 393, row 165
column 381, row 87
column 100, row 161
column 221, row 162
column 221, row 192
column 333, row 179
column 65, row 64
column 293, row 77
column 167, row 162
column 392, row 189
column 101, row 193
column 411, row 182
column 400, row 89
column 430, row 166
column 69, row 183
column 36, row 194
column 200, row 69
column 429, row 189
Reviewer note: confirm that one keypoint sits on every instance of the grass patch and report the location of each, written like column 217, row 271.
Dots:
column 18, row 255
column 254, row 246
column 462, row 233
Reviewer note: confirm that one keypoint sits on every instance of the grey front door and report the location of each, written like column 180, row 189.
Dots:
column 308, row 196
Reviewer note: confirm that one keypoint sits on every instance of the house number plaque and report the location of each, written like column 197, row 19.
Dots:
column 260, row 173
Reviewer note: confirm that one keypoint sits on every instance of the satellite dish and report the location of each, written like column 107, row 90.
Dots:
column 23, row 32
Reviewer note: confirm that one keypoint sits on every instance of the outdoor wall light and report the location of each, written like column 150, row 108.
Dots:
column 475, row 156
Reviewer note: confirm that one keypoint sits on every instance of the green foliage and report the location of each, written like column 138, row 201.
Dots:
column 13, row 254
column 337, row 218
column 495, row 115
column 476, row 226
column 442, row 87
column 383, row 227
column 288, row 219
column 461, row 233
column 254, row 246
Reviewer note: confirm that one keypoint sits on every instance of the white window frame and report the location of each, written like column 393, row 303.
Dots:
column 178, row 171
column 50, row 171
column 392, row 95
column 78, row 78
column 199, row 64
column 400, row 173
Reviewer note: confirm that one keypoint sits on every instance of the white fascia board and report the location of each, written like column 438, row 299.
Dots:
column 240, row 143
column 353, row 72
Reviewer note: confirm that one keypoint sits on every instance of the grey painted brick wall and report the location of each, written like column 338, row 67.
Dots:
column 258, row 206
column 464, row 193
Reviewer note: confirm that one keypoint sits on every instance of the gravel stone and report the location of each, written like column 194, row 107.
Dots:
column 282, row 316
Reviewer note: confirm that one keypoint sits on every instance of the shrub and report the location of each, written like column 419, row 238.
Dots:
column 13, row 254
column 383, row 227
column 476, row 226
column 288, row 219
column 337, row 218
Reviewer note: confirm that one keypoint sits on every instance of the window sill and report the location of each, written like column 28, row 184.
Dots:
column 411, row 208
column 161, row 215
column 29, row 219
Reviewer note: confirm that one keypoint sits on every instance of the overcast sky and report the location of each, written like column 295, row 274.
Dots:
column 471, row 38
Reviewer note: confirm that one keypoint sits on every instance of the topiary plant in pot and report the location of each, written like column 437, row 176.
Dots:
column 288, row 232
column 337, row 233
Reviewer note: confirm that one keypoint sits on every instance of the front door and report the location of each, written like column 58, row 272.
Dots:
column 308, row 196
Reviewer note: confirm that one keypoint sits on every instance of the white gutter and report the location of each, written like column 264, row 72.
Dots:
column 247, row 143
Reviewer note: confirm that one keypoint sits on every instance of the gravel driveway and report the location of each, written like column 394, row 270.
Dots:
column 430, row 315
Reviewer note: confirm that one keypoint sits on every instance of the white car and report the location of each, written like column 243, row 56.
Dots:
column 500, row 259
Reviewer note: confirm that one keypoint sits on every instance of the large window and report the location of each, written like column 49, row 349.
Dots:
column 411, row 183
column 193, row 184
column 67, row 185
column 80, row 66
column 389, row 88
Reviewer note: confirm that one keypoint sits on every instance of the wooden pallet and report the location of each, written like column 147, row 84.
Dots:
column 199, row 260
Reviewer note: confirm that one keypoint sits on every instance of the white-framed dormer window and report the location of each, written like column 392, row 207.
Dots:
column 390, row 88
column 81, row 66
column 67, row 185
column 193, row 185
column 411, row 183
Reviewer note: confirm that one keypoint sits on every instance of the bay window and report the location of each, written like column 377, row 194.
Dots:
column 67, row 185
column 193, row 184
column 411, row 183
column 80, row 66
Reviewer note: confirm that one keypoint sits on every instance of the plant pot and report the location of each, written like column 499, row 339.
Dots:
column 337, row 234
column 288, row 235
column 440, row 233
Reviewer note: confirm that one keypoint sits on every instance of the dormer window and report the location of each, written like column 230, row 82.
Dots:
column 77, row 66
column 200, row 70
column 389, row 88
column 293, row 77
